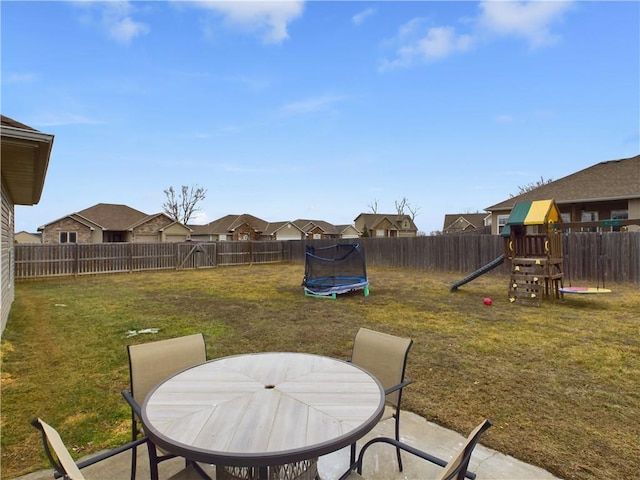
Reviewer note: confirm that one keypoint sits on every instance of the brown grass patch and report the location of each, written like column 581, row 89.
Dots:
column 560, row 381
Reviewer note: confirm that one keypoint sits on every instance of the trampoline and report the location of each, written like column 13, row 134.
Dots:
column 335, row 269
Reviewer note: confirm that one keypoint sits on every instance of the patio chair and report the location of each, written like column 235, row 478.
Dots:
column 456, row 469
column 385, row 357
column 65, row 467
column 149, row 364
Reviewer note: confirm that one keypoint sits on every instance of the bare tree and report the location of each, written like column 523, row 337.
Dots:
column 404, row 206
column 185, row 204
column 531, row 186
column 373, row 207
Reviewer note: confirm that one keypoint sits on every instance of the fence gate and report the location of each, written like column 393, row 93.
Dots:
column 196, row 255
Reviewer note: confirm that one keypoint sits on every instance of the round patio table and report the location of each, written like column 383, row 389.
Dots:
column 263, row 411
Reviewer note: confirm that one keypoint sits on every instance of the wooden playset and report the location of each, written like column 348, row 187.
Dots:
column 533, row 246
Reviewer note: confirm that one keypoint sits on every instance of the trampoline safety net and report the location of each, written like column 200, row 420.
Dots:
column 335, row 269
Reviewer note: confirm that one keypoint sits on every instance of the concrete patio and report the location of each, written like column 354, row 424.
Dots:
column 380, row 463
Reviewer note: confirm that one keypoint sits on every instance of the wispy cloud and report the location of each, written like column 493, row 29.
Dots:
column 116, row 18
column 417, row 42
column 360, row 17
column 269, row 18
column 530, row 20
column 504, row 118
column 311, row 105
column 20, row 78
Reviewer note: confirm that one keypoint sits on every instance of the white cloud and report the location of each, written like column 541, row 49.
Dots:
column 360, row 17
column 417, row 42
column 531, row 20
column 311, row 105
column 437, row 43
column 115, row 18
column 269, row 18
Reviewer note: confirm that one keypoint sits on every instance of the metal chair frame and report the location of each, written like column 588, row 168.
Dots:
column 59, row 470
column 456, row 469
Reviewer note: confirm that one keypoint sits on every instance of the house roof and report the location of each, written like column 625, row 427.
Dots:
column 610, row 180
column 273, row 227
column 459, row 221
column 307, row 225
column 372, row 220
column 25, row 154
column 228, row 223
column 111, row 216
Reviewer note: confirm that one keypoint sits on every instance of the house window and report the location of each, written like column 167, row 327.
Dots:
column 589, row 217
column 619, row 215
column 405, row 224
column 317, row 236
column 68, row 237
column 380, row 233
column 502, row 221
column 565, row 217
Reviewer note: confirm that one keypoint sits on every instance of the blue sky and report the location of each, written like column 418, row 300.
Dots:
column 318, row 109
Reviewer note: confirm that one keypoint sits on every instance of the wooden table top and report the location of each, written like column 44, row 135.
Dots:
column 263, row 409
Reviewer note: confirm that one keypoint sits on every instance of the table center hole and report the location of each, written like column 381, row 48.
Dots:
column 269, row 386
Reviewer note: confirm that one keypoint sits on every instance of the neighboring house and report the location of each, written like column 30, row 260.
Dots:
column 386, row 225
column 283, row 231
column 316, row 229
column 24, row 154
column 466, row 223
column 110, row 223
column 348, row 231
column 230, row 227
column 26, row 237
column 247, row 227
column 606, row 190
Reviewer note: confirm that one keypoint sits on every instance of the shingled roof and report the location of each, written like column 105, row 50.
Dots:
column 610, row 180
column 228, row 223
column 112, row 216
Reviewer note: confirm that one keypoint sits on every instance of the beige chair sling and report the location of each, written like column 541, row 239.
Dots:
column 456, row 469
column 385, row 357
column 65, row 467
column 150, row 364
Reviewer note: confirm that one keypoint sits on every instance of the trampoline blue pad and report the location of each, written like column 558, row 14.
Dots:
column 330, row 285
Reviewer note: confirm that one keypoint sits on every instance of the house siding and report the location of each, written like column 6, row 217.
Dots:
column 84, row 234
column 245, row 232
column 6, row 247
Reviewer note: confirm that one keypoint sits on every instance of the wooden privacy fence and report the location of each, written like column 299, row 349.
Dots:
column 82, row 259
column 592, row 257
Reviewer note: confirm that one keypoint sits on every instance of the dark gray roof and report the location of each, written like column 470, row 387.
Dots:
column 611, row 180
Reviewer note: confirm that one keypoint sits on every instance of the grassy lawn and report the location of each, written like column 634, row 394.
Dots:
column 561, row 381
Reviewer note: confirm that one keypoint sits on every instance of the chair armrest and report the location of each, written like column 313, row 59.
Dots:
column 406, row 448
column 134, row 405
column 111, row 453
column 398, row 387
